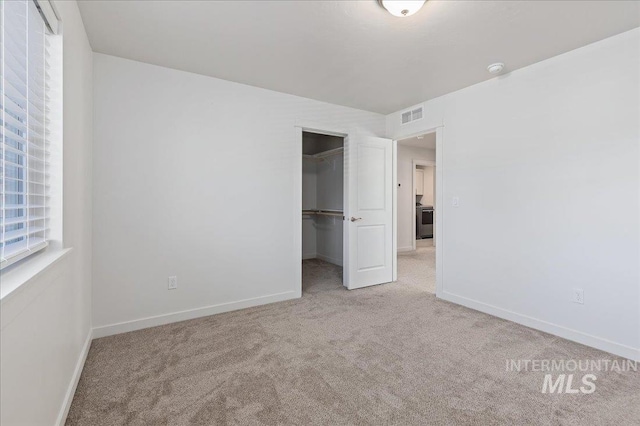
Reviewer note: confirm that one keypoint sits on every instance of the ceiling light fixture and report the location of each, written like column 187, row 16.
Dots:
column 495, row 68
column 402, row 8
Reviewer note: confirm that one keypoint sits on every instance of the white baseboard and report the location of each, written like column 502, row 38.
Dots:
column 71, row 390
column 306, row 256
column 139, row 324
column 557, row 330
column 329, row 259
column 404, row 249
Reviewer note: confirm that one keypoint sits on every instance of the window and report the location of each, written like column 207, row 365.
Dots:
column 24, row 153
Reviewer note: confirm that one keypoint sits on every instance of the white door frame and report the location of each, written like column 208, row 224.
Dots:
column 418, row 162
column 438, row 208
column 322, row 129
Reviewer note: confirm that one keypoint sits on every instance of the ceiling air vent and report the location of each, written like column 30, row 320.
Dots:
column 412, row 115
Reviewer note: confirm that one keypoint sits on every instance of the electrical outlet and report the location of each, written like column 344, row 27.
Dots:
column 578, row 296
column 455, row 202
column 173, row 283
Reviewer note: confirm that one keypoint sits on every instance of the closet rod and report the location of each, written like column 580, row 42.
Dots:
column 324, row 212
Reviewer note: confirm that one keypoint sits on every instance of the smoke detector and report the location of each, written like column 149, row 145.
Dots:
column 495, row 68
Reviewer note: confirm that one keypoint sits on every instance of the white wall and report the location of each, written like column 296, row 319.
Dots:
column 46, row 323
column 330, row 196
column 406, row 198
column 545, row 159
column 322, row 188
column 309, row 184
column 309, row 202
column 428, row 182
column 177, row 156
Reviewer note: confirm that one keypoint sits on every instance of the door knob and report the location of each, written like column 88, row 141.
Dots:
column 353, row 219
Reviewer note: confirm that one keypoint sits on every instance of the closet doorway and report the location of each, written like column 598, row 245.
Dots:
column 323, row 201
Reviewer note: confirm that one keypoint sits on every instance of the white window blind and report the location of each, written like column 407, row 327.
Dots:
column 24, row 181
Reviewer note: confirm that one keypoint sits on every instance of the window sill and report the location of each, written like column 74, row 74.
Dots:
column 15, row 279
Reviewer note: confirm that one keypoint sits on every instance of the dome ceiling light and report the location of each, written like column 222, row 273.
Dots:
column 402, row 8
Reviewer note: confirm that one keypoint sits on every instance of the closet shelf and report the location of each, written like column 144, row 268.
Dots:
column 322, row 156
column 323, row 212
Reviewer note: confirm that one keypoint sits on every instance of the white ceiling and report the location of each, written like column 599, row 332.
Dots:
column 428, row 141
column 350, row 53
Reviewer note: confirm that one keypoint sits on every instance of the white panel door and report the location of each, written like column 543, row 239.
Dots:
column 369, row 219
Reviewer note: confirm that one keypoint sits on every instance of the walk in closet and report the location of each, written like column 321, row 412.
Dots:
column 322, row 197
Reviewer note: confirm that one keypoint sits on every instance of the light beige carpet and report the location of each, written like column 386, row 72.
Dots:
column 419, row 267
column 390, row 354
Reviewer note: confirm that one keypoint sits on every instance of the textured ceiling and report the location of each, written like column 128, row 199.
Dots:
column 350, row 53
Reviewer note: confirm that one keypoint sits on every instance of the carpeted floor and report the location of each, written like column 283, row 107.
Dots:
column 419, row 266
column 390, row 354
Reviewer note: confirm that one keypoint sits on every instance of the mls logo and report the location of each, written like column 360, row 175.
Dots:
column 564, row 384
